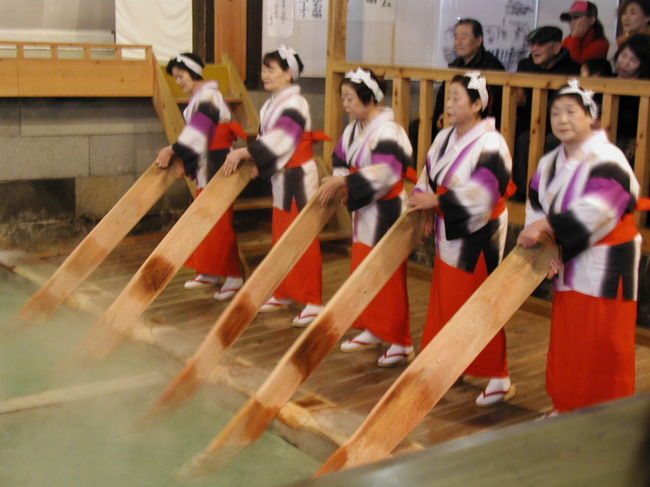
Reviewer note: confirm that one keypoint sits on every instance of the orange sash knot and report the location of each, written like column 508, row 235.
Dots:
column 225, row 134
column 305, row 150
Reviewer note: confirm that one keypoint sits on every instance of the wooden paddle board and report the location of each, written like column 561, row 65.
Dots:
column 240, row 312
column 163, row 263
column 439, row 365
column 314, row 344
column 96, row 246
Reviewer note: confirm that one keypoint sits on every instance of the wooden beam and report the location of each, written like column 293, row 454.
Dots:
column 165, row 104
column 508, row 116
column 54, row 397
column 336, row 40
column 402, row 100
column 641, row 164
column 230, row 32
column 252, row 118
column 445, row 119
column 609, row 116
column 425, row 113
column 337, row 30
column 537, row 130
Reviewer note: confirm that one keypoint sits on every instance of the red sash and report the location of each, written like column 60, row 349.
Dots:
column 225, row 134
column 626, row 229
column 498, row 209
column 305, row 150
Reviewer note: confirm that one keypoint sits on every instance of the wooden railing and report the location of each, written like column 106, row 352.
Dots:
column 31, row 69
column 402, row 78
column 43, row 69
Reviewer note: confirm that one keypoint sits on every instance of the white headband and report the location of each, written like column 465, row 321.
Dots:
column 289, row 55
column 363, row 76
column 190, row 64
column 477, row 82
column 586, row 95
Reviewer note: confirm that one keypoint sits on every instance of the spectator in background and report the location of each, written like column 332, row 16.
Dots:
column 547, row 56
column 596, row 68
column 470, row 54
column 587, row 37
column 631, row 61
column 634, row 16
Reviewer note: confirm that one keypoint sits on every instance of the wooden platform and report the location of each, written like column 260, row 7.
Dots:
column 333, row 402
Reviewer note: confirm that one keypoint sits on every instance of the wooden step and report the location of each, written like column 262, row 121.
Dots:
column 230, row 99
column 259, row 203
column 264, row 243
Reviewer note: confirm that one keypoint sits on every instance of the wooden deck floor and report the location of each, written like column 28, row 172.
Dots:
column 346, row 386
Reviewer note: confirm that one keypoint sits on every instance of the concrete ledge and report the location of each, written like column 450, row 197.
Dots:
column 93, row 116
column 43, row 157
column 9, row 117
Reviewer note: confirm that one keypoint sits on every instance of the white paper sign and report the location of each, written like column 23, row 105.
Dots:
column 280, row 18
column 311, row 9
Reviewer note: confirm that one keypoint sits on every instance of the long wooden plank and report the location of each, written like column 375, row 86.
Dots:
column 80, row 392
column 440, row 364
column 163, row 263
column 313, row 345
column 96, row 246
column 240, row 312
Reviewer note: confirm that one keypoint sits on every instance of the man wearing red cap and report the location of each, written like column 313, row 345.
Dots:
column 587, row 37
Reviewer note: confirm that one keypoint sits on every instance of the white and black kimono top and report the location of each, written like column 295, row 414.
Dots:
column 471, row 174
column 585, row 198
column 373, row 159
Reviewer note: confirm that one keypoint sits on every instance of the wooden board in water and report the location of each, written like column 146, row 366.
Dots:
column 191, row 313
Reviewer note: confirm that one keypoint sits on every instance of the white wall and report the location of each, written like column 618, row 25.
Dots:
column 57, row 20
column 405, row 32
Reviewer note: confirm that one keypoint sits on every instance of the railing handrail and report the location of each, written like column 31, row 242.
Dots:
column 613, row 86
column 72, row 44
column 54, row 47
column 540, row 84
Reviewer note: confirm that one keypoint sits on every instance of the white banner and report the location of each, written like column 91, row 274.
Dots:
column 165, row 25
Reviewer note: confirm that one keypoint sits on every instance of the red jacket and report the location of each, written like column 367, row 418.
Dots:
column 583, row 48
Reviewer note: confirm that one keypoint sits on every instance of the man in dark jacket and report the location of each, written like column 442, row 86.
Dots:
column 472, row 56
column 547, row 56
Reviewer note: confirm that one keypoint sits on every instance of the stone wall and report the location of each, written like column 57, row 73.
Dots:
column 103, row 145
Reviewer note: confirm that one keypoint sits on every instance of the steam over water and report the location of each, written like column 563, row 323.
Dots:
column 72, row 428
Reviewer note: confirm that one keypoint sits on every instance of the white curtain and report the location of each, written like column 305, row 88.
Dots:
column 164, row 24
